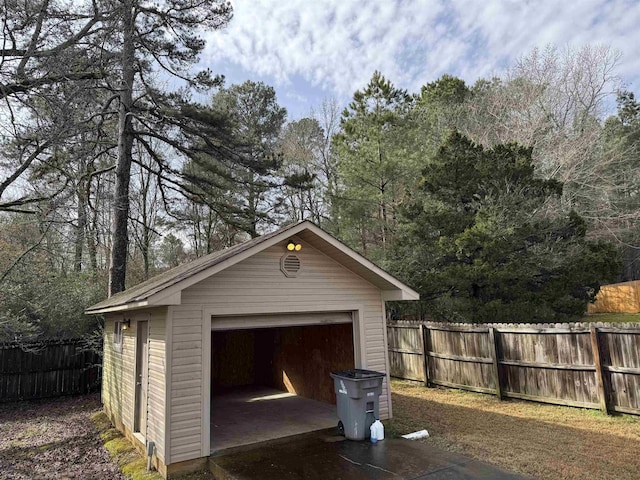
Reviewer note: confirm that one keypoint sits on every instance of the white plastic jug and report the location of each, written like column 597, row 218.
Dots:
column 373, row 437
column 378, row 428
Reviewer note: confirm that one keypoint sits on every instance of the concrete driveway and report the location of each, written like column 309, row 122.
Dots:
column 327, row 457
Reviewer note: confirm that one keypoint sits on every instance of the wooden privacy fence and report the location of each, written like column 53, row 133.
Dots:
column 617, row 298
column 579, row 364
column 47, row 369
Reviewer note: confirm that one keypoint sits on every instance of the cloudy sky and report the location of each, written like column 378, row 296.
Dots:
column 311, row 49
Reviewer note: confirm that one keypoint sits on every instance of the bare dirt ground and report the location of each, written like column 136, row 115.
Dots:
column 544, row 441
column 53, row 439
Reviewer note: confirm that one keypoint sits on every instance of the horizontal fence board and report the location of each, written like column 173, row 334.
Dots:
column 459, row 358
column 555, row 401
column 624, row 331
column 462, row 328
column 401, row 350
column 631, row 411
column 542, row 331
column 550, row 363
column 462, row 387
column 552, row 366
column 48, row 369
column 631, row 371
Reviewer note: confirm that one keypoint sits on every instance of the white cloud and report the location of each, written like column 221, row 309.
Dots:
column 337, row 44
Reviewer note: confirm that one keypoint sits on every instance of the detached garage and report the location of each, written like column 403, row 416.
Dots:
column 236, row 347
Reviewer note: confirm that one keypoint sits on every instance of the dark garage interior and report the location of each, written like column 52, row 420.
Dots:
column 274, row 382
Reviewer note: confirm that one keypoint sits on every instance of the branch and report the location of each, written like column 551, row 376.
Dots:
column 140, row 222
column 24, row 254
column 34, row 38
column 70, row 42
column 97, row 172
column 12, row 178
column 9, row 206
column 26, row 85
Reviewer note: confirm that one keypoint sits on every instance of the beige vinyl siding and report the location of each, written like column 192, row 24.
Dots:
column 187, row 383
column 119, row 374
column 157, row 379
column 254, row 286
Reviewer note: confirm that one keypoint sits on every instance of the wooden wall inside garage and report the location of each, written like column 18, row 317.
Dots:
column 232, row 359
column 293, row 359
column 304, row 356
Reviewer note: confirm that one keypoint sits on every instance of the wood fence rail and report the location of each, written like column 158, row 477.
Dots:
column 47, row 369
column 591, row 365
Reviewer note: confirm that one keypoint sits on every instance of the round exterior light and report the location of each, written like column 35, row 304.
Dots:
column 298, row 247
column 291, row 246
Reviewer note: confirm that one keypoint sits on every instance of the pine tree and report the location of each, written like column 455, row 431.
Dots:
column 373, row 165
column 256, row 120
column 484, row 239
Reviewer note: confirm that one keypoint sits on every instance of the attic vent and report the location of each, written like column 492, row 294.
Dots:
column 290, row 265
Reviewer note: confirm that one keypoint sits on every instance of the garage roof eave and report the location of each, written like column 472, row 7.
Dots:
column 117, row 308
column 156, row 300
column 396, row 295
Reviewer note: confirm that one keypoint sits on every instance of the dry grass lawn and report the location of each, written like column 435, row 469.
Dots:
column 543, row 441
column 613, row 317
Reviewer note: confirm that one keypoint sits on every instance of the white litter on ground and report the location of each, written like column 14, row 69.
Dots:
column 416, row 435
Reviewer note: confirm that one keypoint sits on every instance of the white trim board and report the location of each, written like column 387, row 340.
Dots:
column 282, row 320
column 206, row 383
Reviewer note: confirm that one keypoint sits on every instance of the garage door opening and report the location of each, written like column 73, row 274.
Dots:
column 274, row 382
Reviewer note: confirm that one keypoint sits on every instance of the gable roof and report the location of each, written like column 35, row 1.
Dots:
column 165, row 288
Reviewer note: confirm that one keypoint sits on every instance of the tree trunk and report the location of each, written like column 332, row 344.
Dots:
column 209, row 231
column 253, row 210
column 92, row 234
column 92, row 250
column 120, row 240
column 383, row 206
column 145, row 185
column 146, row 241
column 81, row 225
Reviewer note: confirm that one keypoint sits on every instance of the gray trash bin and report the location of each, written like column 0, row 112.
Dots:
column 357, row 398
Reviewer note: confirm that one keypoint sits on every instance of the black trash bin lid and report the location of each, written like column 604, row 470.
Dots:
column 358, row 374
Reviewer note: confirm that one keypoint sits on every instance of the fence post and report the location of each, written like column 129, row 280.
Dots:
column 425, row 357
column 494, row 356
column 493, row 347
column 595, row 345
